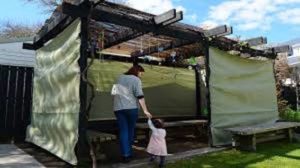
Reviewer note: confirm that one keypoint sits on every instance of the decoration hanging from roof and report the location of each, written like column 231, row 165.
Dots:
column 100, row 45
column 173, row 55
column 192, row 61
column 141, row 46
column 160, row 49
column 148, row 58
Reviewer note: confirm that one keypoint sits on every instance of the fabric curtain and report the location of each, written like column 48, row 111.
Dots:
column 242, row 93
column 56, row 103
column 168, row 91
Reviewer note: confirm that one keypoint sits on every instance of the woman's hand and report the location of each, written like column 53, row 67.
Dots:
column 148, row 114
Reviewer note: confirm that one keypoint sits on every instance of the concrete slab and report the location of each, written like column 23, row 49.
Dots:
column 13, row 157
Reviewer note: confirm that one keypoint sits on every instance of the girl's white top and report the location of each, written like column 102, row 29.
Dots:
column 157, row 144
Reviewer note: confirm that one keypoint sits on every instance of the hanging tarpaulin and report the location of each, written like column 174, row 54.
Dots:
column 54, row 121
column 169, row 92
column 242, row 93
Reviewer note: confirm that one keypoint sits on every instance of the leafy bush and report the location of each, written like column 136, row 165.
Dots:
column 291, row 115
column 297, row 117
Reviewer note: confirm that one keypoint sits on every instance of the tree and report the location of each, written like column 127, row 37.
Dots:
column 282, row 72
column 51, row 5
column 48, row 6
column 17, row 30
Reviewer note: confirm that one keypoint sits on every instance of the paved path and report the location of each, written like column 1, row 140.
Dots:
column 13, row 157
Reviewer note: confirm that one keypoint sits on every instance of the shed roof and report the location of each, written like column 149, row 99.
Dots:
column 11, row 53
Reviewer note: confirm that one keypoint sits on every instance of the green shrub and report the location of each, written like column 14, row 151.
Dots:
column 297, row 116
column 291, row 115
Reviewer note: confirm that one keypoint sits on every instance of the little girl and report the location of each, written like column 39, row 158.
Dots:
column 157, row 144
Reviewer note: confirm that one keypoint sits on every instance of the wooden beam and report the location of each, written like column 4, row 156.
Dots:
column 228, row 44
column 282, row 49
column 256, row 41
column 122, row 37
column 29, row 46
column 117, row 38
column 219, row 31
column 228, row 32
column 106, row 14
column 178, row 17
column 82, row 146
column 49, row 32
column 279, row 49
column 165, row 46
column 198, row 91
column 81, row 10
column 57, row 19
column 52, row 27
column 167, row 16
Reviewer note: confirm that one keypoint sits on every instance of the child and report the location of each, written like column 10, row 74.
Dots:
column 157, row 144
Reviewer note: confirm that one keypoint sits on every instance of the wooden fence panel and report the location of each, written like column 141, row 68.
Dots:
column 15, row 100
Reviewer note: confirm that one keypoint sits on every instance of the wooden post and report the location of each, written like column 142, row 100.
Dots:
column 83, row 148
column 297, row 87
column 135, row 60
column 198, row 92
column 247, row 142
column 290, row 134
column 207, row 78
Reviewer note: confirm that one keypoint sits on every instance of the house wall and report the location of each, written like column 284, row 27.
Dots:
column 296, row 50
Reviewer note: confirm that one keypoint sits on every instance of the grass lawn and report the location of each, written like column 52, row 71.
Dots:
column 281, row 154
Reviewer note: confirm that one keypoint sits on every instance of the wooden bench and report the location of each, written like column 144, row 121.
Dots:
column 200, row 126
column 247, row 137
column 96, row 140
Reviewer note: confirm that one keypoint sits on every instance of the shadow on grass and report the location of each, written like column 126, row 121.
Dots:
column 273, row 154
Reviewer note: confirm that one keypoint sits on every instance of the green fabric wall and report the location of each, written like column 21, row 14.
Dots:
column 168, row 91
column 54, row 120
column 242, row 93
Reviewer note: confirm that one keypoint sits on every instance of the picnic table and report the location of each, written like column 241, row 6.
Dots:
column 246, row 137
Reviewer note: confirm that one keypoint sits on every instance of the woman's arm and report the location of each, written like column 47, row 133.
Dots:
column 144, row 107
column 138, row 92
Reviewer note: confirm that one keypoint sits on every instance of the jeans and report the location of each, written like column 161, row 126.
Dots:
column 126, row 121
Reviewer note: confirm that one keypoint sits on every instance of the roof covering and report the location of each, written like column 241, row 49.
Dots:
column 11, row 53
column 124, row 31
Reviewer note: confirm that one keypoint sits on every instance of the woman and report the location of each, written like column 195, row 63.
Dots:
column 128, row 95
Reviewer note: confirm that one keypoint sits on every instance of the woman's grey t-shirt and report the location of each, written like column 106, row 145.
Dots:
column 128, row 89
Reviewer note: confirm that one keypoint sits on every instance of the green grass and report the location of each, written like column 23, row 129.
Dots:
column 268, row 155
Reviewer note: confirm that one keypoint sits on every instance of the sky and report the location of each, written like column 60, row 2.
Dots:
column 278, row 20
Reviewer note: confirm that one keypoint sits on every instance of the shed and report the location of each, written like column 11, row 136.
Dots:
column 16, row 72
